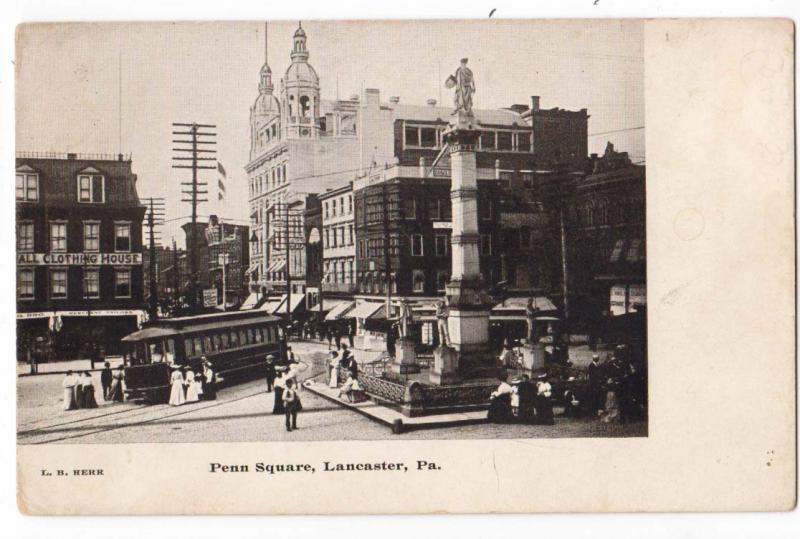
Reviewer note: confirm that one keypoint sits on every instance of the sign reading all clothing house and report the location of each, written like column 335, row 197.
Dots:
column 79, row 259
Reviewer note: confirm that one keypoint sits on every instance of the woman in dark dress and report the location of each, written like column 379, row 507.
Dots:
column 500, row 401
column 280, row 384
column 543, row 402
column 88, row 398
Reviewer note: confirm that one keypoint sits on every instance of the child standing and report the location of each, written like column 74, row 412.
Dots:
column 291, row 404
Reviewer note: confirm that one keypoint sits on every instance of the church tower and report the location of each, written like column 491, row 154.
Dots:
column 300, row 93
column 265, row 114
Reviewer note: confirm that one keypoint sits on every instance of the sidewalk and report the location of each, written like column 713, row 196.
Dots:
column 61, row 367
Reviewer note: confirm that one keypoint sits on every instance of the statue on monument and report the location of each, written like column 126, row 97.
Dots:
column 531, row 311
column 406, row 317
column 442, row 312
column 464, row 83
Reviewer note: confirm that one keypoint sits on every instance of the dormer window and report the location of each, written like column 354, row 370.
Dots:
column 27, row 185
column 91, row 188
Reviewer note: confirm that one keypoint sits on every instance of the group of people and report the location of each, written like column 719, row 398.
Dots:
column 334, row 334
column 617, row 387
column 283, row 381
column 344, row 364
column 79, row 392
column 186, row 385
column 522, row 400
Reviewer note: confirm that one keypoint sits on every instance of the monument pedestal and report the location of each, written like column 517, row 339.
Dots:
column 533, row 356
column 405, row 358
column 445, row 366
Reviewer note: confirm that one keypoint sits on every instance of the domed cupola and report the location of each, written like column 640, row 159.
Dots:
column 265, row 114
column 300, row 92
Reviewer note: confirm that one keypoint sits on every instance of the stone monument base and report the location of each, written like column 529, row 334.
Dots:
column 533, row 356
column 405, row 358
column 445, row 366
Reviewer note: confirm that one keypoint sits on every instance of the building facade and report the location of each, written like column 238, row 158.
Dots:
column 338, row 242
column 79, row 253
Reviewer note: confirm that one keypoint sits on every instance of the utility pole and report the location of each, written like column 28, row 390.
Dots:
column 288, row 274
column 564, row 275
column 387, row 257
column 155, row 217
column 176, row 279
column 193, row 145
column 223, row 261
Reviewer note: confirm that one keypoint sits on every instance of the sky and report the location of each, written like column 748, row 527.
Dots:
column 117, row 87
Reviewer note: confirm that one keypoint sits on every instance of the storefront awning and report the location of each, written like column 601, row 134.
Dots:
column 297, row 300
column 253, row 267
column 99, row 312
column 520, row 303
column 337, row 312
column 278, row 265
column 250, row 302
column 365, row 310
column 271, row 304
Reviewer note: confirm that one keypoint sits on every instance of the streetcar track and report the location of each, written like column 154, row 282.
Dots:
column 107, row 428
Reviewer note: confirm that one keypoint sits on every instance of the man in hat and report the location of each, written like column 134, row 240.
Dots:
column 209, row 381
column 270, row 372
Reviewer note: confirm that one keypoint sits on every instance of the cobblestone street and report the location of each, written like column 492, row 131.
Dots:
column 242, row 413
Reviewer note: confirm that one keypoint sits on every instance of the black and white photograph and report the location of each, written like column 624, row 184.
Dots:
column 310, row 264
column 299, row 237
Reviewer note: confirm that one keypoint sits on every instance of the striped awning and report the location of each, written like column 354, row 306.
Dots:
column 339, row 310
column 364, row 310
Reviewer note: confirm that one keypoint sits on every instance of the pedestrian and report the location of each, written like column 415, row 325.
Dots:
column 291, row 405
column 209, row 381
column 350, row 387
column 347, row 356
column 337, row 336
column 68, row 386
column 507, row 359
column 353, row 367
column 176, row 394
column 527, row 395
column 117, row 393
column 500, row 401
column 280, row 384
column 88, row 399
column 595, row 385
column 351, row 333
column 542, row 402
column 105, row 379
column 329, row 336
column 191, row 388
column 333, row 370
column 290, row 357
column 611, row 412
column 78, row 390
column 270, row 372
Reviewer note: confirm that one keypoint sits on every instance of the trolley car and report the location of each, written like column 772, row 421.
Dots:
column 236, row 343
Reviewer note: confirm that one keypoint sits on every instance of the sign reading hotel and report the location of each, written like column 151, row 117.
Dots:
column 79, row 259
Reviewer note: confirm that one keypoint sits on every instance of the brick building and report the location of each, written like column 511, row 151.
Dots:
column 79, row 252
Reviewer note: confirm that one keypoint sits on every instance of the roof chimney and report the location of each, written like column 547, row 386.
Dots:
column 535, row 103
column 432, row 102
column 394, row 99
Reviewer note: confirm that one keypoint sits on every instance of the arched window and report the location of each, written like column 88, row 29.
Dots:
column 305, row 105
column 291, row 105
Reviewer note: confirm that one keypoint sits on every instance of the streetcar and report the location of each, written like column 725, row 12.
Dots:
column 236, row 343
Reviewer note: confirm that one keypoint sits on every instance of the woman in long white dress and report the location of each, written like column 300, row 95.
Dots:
column 191, row 388
column 69, row 391
column 333, row 370
column 176, row 396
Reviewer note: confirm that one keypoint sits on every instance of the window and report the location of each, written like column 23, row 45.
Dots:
column 527, row 180
column 435, row 209
column 24, row 236
column 412, row 136
column 333, row 207
column 326, row 210
column 418, row 281
column 523, row 142
column 27, row 187
column 243, row 337
column 25, row 283
column 91, row 237
column 350, row 204
column 350, row 234
column 91, row 188
column 122, row 282
column 58, row 283
column 225, row 341
column 486, row 244
column 487, row 140
column 427, row 137
column 441, row 244
column 416, row 245
column 485, row 209
column 215, row 342
column 411, row 208
column 441, row 280
column 362, row 249
column 505, row 178
column 234, row 339
column 122, row 237
column 504, row 140
column 91, row 282
column 198, row 345
column 58, row 237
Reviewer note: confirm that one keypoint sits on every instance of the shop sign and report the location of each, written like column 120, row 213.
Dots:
column 210, row 297
column 79, row 259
